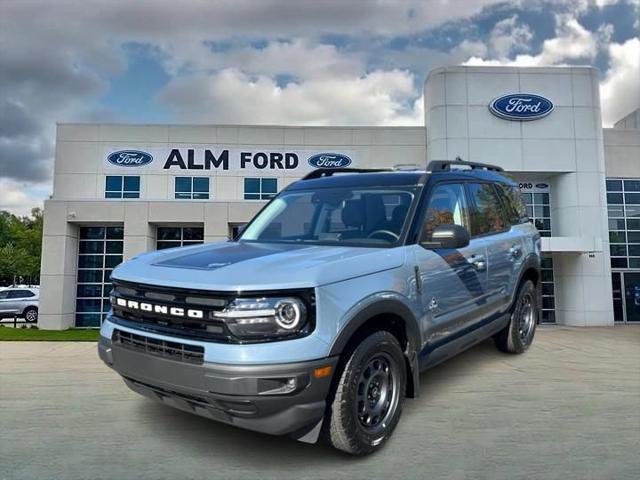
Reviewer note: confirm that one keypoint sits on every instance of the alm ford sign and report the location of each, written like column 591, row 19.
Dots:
column 130, row 158
column 521, row 106
column 329, row 160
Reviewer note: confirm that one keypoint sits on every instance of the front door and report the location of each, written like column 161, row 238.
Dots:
column 632, row 296
column 452, row 282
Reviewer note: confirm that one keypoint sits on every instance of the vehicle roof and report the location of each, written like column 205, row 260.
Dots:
column 396, row 178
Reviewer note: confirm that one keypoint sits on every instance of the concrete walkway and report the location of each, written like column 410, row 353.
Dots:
column 568, row 409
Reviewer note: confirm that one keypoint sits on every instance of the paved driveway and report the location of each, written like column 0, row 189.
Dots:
column 568, row 409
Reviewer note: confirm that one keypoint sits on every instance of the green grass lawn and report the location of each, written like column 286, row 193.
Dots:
column 32, row 335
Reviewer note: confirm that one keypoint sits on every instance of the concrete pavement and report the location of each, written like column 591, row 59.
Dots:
column 568, row 409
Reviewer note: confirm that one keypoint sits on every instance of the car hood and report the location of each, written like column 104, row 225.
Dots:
column 238, row 266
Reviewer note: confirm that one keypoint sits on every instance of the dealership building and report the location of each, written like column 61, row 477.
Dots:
column 120, row 190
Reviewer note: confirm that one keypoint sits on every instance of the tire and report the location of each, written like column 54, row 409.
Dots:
column 368, row 396
column 518, row 335
column 30, row 314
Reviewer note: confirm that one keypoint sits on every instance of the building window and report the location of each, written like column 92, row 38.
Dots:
column 623, row 209
column 623, row 199
column 192, row 188
column 122, row 186
column 169, row 237
column 235, row 229
column 260, row 188
column 537, row 202
column 99, row 251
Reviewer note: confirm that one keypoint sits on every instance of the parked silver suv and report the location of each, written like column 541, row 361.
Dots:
column 21, row 302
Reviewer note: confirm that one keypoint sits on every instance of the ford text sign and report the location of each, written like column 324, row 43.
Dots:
column 521, row 106
column 329, row 160
column 130, row 158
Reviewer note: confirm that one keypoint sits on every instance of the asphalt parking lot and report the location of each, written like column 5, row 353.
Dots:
column 568, row 409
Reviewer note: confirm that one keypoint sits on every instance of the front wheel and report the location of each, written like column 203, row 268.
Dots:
column 31, row 314
column 518, row 335
column 368, row 398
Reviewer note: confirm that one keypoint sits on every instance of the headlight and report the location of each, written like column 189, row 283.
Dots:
column 259, row 318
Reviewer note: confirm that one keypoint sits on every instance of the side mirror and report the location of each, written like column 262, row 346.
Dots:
column 448, row 236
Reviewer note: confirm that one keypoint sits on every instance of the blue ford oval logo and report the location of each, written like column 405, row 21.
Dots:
column 521, row 106
column 130, row 158
column 329, row 160
column 542, row 185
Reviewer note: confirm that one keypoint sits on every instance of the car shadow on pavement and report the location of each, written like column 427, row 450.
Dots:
column 204, row 436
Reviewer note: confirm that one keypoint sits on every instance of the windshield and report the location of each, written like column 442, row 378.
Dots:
column 366, row 217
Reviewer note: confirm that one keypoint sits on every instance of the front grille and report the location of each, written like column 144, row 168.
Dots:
column 203, row 327
column 172, row 311
column 171, row 350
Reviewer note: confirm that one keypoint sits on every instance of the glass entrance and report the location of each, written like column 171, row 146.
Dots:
column 632, row 296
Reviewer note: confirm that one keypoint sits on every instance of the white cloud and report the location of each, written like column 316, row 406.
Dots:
column 508, row 36
column 620, row 90
column 572, row 42
column 232, row 96
column 20, row 197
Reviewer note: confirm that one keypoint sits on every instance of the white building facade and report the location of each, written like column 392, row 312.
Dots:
column 120, row 190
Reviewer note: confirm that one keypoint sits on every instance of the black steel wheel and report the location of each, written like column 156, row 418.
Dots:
column 518, row 335
column 368, row 396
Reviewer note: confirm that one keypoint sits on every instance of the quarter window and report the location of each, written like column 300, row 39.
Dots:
column 192, row 188
column 122, row 186
column 487, row 215
column 260, row 188
column 447, row 206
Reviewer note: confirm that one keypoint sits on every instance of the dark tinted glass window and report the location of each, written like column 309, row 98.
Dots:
column 20, row 294
column 514, row 203
column 487, row 215
column 447, row 206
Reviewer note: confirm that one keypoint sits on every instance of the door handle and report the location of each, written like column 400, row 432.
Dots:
column 515, row 251
column 478, row 261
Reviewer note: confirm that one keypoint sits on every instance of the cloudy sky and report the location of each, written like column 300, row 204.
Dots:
column 313, row 62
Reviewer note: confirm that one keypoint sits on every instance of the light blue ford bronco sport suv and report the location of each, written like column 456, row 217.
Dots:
column 318, row 319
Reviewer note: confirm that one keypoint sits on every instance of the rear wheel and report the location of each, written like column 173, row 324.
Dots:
column 368, row 398
column 518, row 335
column 31, row 314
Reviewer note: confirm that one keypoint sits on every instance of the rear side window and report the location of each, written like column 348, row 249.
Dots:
column 20, row 294
column 487, row 214
column 514, row 203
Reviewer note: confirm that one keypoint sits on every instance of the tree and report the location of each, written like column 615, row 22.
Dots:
column 20, row 246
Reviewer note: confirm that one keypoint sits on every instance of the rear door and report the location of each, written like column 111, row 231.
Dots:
column 452, row 282
column 490, row 221
column 9, row 301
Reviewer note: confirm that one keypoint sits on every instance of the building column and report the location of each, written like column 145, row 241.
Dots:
column 216, row 222
column 139, row 234
column 582, row 279
column 58, row 269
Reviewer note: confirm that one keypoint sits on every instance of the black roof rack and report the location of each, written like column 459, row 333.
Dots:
column 328, row 172
column 446, row 165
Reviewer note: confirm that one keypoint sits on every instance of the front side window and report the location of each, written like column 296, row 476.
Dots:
column 487, row 214
column 122, row 186
column 192, row 188
column 354, row 216
column 260, row 188
column 447, row 206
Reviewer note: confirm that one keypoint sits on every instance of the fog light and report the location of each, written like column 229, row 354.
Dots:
column 277, row 386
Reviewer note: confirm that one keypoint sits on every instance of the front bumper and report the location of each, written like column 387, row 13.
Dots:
column 234, row 394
